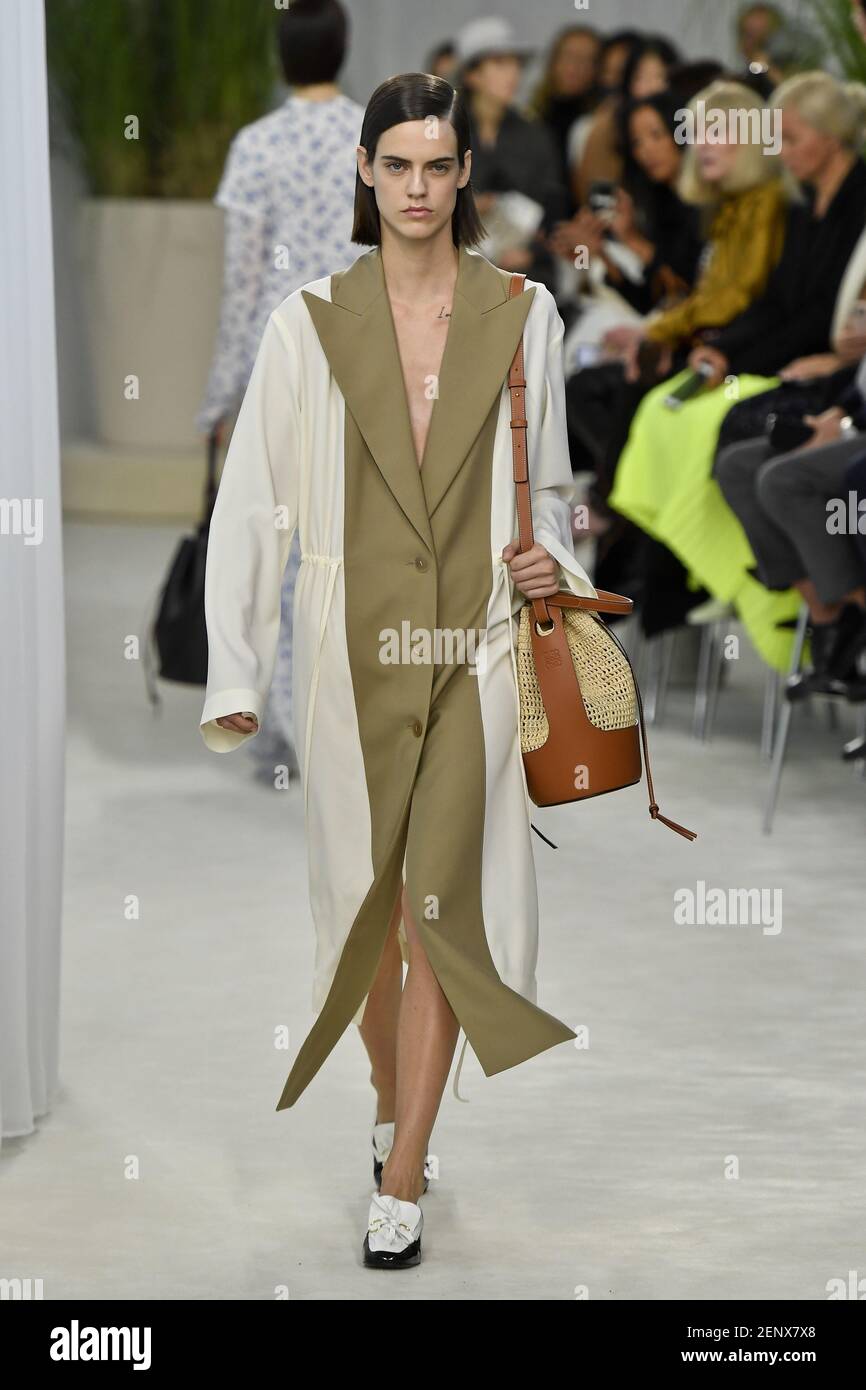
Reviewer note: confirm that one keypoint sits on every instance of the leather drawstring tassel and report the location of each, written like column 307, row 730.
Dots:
column 654, row 811
column 680, row 829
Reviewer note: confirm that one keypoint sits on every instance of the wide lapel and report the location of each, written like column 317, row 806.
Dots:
column 357, row 334
column 483, row 334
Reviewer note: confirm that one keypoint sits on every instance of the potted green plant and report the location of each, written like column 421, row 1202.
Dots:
column 146, row 96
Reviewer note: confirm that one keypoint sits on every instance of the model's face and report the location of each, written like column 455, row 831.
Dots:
column 805, row 151
column 415, row 175
column 653, row 146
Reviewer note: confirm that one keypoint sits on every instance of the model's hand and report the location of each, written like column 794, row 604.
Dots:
column 239, row 723
column 534, row 571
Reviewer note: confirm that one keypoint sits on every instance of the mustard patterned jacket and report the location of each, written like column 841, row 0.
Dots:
column 745, row 242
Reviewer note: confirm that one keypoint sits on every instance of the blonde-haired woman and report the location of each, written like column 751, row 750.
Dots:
column 663, row 479
column 741, row 188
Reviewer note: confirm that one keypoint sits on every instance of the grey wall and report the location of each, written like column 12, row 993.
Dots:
column 392, row 36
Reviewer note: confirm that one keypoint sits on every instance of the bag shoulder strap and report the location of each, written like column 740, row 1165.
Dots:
column 605, row 602
column 519, row 454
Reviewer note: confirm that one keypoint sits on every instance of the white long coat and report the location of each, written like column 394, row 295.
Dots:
column 287, row 466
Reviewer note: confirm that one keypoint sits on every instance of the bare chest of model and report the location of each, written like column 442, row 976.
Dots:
column 421, row 334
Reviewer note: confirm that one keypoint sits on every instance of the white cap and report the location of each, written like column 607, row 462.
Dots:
column 486, row 36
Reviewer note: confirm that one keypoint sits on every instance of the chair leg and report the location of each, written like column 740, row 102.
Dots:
column 668, row 644
column 772, row 696
column 784, row 723
column 861, row 733
column 716, row 668
column 702, row 687
column 660, row 658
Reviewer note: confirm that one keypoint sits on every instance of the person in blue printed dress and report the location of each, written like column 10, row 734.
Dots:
column 287, row 191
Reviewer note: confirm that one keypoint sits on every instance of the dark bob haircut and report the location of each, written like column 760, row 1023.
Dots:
column 413, row 96
column 312, row 37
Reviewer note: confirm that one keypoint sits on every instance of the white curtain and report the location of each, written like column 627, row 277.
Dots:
column 32, row 649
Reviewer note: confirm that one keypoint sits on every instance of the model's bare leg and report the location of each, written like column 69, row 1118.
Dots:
column 378, row 1026
column 426, row 1037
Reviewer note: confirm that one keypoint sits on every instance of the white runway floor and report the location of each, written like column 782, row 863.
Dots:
column 164, row 1171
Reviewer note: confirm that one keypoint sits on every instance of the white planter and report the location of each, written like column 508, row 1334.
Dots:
column 151, row 278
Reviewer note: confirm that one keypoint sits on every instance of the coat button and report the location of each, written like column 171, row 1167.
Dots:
column 417, row 728
column 420, row 562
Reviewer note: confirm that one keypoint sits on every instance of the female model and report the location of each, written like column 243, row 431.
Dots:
column 377, row 423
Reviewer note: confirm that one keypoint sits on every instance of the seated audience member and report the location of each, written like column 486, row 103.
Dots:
column 855, row 492
column 688, row 80
column 757, row 26
column 569, row 87
column 647, row 247
column 509, row 152
column 812, row 383
column 739, row 189
column 442, row 60
column 646, row 72
column 612, row 59
column 781, row 501
column 663, row 478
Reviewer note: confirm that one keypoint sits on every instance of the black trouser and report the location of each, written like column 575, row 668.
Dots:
column 601, row 406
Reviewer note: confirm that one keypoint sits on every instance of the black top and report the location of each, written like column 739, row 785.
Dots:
column 674, row 228
column 559, row 116
column 524, row 158
column 793, row 317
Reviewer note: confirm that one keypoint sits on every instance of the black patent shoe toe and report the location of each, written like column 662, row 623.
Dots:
column 386, row 1259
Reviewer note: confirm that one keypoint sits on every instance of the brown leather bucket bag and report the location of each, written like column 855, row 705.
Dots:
column 581, row 713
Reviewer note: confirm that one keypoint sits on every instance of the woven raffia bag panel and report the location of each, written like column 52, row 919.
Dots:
column 603, row 673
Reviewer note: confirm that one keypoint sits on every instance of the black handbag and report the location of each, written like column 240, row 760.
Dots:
column 175, row 642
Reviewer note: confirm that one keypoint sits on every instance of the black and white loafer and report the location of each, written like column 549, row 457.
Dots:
column 393, row 1239
column 383, row 1143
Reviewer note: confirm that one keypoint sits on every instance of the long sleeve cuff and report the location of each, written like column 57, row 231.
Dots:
column 222, row 703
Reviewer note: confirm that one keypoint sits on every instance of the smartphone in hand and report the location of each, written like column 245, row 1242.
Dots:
column 690, row 387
